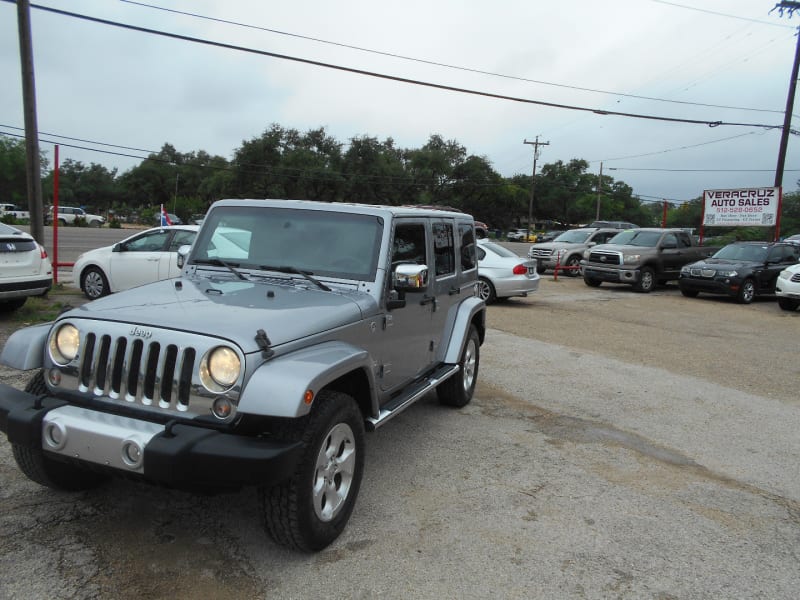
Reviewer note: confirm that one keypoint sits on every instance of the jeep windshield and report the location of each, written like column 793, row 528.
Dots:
column 636, row 237
column 321, row 243
column 573, row 237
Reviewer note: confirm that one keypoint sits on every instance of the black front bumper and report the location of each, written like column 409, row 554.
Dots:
column 183, row 456
column 727, row 287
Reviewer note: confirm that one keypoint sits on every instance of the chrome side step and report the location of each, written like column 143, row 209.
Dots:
column 414, row 393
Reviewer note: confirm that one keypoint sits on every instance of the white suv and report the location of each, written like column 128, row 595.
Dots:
column 68, row 214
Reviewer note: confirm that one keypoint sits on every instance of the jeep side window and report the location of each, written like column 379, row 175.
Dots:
column 409, row 244
column 444, row 249
column 467, row 234
column 684, row 241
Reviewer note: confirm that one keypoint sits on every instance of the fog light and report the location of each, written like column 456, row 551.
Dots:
column 132, row 454
column 222, row 408
column 54, row 377
column 55, row 435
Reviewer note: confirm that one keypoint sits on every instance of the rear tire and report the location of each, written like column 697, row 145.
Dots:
column 309, row 511
column 42, row 469
column 459, row 389
column 9, row 305
column 486, row 290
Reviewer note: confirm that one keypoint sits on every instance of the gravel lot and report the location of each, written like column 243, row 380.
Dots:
column 620, row 445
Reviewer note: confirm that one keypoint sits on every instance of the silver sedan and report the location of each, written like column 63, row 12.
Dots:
column 503, row 274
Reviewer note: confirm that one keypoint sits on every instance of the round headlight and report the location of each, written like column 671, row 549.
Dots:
column 64, row 344
column 224, row 366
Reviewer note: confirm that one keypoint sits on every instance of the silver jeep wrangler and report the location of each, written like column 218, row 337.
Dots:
column 294, row 327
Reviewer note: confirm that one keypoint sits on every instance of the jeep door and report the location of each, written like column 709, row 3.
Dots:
column 455, row 274
column 408, row 345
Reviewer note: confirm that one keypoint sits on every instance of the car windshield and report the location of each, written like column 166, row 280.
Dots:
column 575, row 236
column 498, row 249
column 314, row 242
column 749, row 252
column 636, row 237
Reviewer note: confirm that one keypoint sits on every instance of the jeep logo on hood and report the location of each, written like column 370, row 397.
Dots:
column 142, row 333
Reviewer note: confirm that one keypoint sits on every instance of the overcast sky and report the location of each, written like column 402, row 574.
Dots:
column 706, row 60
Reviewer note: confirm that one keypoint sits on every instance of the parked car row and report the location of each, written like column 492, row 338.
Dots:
column 742, row 270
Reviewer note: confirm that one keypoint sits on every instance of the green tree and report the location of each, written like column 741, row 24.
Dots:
column 92, row 186
column 13, row 177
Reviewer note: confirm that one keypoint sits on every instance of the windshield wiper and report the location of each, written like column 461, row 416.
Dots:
column 295, row 271
column 218, row 262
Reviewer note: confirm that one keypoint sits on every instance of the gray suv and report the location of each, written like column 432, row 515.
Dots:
column 566, row 250
column 294, row 328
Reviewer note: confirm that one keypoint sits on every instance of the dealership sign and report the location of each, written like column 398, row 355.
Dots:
column 752, row 207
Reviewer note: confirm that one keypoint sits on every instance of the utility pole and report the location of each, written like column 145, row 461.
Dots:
column 33, row 168
column 599, row 190
column 789, row 7
column 535, row 145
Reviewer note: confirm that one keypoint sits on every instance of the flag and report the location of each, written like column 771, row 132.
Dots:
column 164, row 217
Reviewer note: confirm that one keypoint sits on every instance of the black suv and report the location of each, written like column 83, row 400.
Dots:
column 741, row 270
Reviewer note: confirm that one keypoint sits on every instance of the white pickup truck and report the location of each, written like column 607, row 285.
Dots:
column 15, row 211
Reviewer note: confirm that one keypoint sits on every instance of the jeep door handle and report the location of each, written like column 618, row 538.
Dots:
column 454, row 290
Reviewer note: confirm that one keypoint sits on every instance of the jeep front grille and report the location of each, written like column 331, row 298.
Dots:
column 150, row 368
column 144, row 373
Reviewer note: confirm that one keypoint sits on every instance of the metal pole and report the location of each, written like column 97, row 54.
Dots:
column 599, row 190
column 32, row 163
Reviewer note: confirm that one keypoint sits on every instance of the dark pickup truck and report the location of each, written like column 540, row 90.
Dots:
column 642, row 258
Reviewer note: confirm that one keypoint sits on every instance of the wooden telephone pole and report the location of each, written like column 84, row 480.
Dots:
column 789, row 7
column 33, row 167
column 535, row 145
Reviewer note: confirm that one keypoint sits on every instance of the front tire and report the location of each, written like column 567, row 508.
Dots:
column 42, row 469
column 94, row 283
column 788, row 303
column 458, row 390
column 309, row 511
column 689, row 293
column 747, row 291
column 647, row 281
column 591, row 281
column 574, row 263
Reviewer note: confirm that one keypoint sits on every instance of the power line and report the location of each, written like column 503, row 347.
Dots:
column 445, row 65
column 709, row 123
column 733, row 137
column 721, row 14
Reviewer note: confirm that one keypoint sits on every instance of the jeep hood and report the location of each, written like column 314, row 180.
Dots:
column 232, row 309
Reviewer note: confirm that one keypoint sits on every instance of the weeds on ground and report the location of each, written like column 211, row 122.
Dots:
column 47, row 308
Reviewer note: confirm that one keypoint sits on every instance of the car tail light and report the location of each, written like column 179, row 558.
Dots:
column 42, row 252
column 520, row 270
